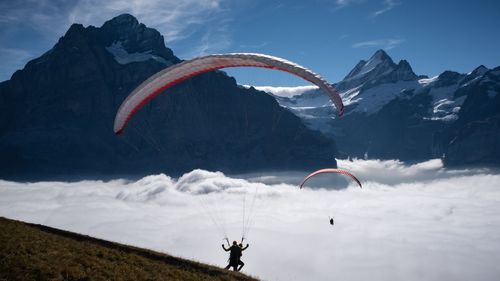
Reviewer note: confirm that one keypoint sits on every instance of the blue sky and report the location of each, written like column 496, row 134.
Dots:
column 327, row 36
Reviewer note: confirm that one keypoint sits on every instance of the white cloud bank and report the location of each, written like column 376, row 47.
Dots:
column 409, row 222
column 287, row 92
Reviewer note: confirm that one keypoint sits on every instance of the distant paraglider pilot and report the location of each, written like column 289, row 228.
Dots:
column 235, row 253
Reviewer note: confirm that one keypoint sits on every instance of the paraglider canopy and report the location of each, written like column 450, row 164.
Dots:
column 330, row 170
column 177, row 73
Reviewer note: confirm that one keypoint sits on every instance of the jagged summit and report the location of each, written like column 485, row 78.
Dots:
column 123, row 38
column 123, row 19
column 125, row 31
column 379, row 60
column 380, row 56
column 380, row 68
column 480, row 70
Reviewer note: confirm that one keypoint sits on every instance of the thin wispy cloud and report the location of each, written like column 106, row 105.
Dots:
column 212, row 41
column 388, row 5
column 175, row 20
column 172, row 18
column 344, row 3
column 342, row 37
column 386, row 44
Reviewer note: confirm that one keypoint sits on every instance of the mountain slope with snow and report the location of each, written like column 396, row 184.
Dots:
column 390, row 111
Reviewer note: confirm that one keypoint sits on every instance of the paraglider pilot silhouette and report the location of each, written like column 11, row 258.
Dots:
column 235, row 253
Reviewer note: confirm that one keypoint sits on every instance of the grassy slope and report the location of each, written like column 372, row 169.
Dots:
column 36, row 252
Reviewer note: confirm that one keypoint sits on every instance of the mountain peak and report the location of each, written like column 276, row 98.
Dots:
column 379, row 63
column 123, row 20
column 404, row 66
column 480, row 70
column 381, row 55
column 380, row 68
column 124, row 25
column 127, row 33
column 75, row 30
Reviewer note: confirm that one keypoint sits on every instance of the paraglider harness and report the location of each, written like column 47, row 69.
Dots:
column 234, row 259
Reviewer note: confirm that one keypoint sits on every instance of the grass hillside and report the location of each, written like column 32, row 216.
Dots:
column 37, row 252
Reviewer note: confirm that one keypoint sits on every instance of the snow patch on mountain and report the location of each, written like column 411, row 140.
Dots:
column 373, row 99
column 121, row 55
column 349, row 96
column 445, row 106
column 314, row 105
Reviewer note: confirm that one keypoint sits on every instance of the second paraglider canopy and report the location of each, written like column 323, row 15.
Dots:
column 329, row 171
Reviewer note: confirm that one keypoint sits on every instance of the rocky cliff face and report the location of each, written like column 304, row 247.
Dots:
column 474, row 139
column 56, row 114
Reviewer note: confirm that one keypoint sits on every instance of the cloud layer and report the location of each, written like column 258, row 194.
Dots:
column 285, row 91
column 409, row 222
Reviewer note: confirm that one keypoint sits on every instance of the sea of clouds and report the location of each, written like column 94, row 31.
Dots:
column 408, row 222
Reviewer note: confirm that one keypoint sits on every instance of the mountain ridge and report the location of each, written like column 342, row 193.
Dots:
column 375, row 125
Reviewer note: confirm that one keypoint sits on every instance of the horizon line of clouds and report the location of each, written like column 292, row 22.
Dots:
column 387, row 44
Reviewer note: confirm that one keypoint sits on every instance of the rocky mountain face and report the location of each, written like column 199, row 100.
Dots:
column 474, row 139
column 393, row 113
column 56, row 115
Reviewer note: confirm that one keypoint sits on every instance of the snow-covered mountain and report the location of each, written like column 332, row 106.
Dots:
column 390, row 111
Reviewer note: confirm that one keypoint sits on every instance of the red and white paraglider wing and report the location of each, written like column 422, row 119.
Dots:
column 331, row 170
column 187, row 69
